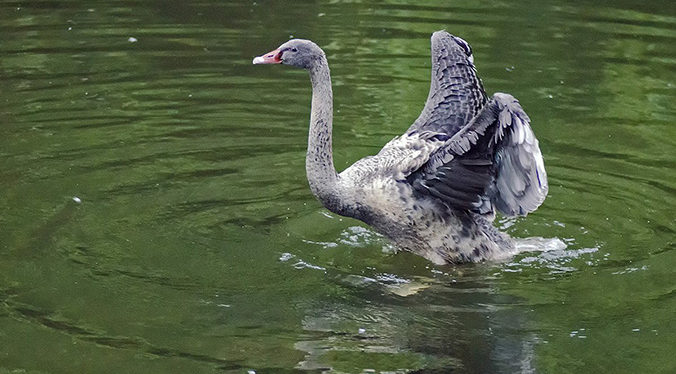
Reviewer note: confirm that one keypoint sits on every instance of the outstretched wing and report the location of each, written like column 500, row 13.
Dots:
column 456, row 93
column 493, row 162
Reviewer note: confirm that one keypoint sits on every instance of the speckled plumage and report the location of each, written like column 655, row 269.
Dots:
column 433, row 190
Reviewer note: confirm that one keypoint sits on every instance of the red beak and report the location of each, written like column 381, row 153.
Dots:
column 272, row 57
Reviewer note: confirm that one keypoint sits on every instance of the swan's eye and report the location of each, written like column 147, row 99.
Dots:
column 294, row 49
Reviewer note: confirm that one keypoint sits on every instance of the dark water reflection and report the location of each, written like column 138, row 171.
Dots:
column 197, row 246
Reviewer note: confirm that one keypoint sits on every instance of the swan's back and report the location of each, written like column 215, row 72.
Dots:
column 464, row 151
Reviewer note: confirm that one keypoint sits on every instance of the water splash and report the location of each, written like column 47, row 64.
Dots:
column 539, row 244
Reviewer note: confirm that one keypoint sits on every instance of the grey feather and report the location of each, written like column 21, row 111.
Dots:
column 495, row 159
column 456, row 93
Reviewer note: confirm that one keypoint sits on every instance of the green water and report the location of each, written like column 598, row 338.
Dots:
column 198, row 248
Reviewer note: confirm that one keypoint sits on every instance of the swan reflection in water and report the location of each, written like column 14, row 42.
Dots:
column 454, row 321
column 435, row 189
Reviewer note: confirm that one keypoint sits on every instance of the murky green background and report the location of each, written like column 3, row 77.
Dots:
column 198, row 248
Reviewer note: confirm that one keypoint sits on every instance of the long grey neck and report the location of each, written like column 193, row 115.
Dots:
column 321, row 173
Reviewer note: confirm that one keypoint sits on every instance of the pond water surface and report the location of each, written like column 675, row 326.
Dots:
column 195, row 245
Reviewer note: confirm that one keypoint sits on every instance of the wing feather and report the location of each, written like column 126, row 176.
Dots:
column 456, row 94
column 494, row 162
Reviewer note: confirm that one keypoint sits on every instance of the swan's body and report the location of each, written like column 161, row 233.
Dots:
column 434, row 189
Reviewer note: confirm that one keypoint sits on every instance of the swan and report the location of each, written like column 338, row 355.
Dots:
column 435, row 189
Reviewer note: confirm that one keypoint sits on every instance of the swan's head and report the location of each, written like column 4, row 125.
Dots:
column 296, row 52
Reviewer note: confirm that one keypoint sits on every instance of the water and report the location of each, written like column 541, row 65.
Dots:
column 195, row 245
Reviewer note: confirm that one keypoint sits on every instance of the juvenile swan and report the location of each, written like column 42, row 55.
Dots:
column 433, row 190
